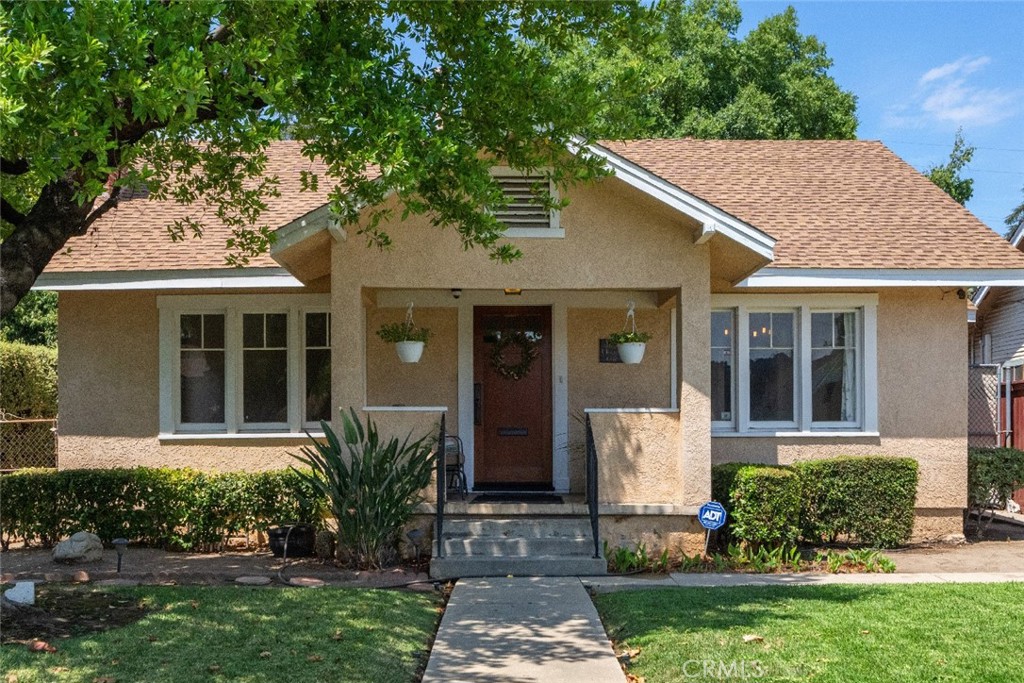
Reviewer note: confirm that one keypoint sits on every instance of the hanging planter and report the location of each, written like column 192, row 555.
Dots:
column 408, row 339
column 630, row 343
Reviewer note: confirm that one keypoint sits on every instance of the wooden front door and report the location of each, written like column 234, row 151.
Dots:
column 512, row 397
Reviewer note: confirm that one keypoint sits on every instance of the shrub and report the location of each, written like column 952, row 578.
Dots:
column 171, row 508
column 29, row 386
column 372, row 491
column 869, row 500
column 763, row 502
column 993, row 474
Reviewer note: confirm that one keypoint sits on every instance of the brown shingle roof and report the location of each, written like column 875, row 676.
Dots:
column 830, row 204
column 134, row 235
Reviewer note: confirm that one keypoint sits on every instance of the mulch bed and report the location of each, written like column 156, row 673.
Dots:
column 66, row 611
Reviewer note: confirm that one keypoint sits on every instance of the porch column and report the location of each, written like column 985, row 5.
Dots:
column 693, row 353
column 348, row 337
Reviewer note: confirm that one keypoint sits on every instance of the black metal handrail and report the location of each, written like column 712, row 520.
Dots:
column 442, row 487
column 592, row 487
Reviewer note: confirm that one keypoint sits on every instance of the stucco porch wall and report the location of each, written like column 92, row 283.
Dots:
column 922, row 407
column 638, row 458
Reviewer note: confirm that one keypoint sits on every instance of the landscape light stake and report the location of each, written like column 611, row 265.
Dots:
column 119, row 545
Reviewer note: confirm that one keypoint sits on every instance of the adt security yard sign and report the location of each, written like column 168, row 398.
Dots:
column 711, row 515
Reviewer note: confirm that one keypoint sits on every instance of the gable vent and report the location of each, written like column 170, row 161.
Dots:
column 524, row 211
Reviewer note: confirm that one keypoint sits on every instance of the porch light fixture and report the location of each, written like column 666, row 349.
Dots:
column 513, row 291
column 120, row 544
column 456, row 292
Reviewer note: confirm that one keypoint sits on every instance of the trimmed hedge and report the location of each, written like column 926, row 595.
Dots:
column 867, row 500
column 169, row 508
column 763, row 502
column 29, row 380
column 993, row 474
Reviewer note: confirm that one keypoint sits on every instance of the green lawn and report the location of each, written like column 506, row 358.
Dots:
column 232, row 633
column 907, row 634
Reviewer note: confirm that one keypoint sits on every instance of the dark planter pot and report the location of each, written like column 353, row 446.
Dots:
column 301, row 541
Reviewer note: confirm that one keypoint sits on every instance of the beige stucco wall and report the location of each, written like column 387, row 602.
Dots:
column 922, row 405
column 108, row 382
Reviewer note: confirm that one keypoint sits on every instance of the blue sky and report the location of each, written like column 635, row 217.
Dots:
column 920, row 70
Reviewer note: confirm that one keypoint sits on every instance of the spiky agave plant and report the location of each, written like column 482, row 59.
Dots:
column 372, row 486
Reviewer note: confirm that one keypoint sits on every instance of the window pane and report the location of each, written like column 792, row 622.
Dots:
column 843, row 323
column 821, row 330
column 277, row 330
column 721, row 384
column 265, row 386
column 781, row 330
column 316, row 329
column 760, row 330
column 721, row 329
column 771, row 385
column 252, row 330
column 202, row 386
column 213, row 331
column 191, row 331
column 833, row 379
column 318, row 385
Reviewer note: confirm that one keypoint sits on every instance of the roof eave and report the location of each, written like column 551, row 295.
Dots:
column 833, row 278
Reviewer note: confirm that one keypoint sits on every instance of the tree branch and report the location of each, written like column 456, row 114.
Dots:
column 10, row 214
column 14, row 166
column 108, row 204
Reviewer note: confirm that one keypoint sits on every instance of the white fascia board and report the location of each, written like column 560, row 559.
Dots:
column 709, row 215
column 301, row 228
column 883, row 277
column 1016, row 239
column 213, row 278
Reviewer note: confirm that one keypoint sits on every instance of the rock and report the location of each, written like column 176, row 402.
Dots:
column 253, row 580
column 81, row 576
column 82, row 547
column 7, row 577
column 23, row 593
column 117, row 582
column 305, row 582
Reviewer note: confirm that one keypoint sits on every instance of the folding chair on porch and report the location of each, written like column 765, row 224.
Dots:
column 455, row 464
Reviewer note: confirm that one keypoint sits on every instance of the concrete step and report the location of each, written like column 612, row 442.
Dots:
column 517, row 546
column 465, row 567
column 486, row 546
column 518, row 527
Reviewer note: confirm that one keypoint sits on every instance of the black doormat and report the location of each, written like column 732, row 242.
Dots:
column 517, row 497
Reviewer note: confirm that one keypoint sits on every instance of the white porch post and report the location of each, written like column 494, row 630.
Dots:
column 693, row 312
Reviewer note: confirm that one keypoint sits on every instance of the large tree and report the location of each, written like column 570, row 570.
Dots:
column 949, row 176
column 693, row 76
column 184, row 97
column 1015, row 220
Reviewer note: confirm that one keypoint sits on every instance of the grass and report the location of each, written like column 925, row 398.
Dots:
column 211, row 635
column 868, row 634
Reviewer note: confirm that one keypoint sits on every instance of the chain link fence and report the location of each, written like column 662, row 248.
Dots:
column 27, row 443
column 982, row 406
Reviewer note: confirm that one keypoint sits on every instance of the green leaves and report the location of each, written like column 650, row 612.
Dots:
column 949, row 176
column 373, row 485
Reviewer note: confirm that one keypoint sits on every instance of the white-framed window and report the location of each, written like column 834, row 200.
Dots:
column 244, row 364
column 525, row 215
column 794, row 364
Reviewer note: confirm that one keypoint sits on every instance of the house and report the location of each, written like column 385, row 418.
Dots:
column 996, row 352
column 805, row 299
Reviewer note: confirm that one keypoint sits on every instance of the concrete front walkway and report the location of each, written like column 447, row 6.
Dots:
column 520, row 630
column 615, row 583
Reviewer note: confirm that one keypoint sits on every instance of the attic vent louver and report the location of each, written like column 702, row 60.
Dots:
column 524, row 210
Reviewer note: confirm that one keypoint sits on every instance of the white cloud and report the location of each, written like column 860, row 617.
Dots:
column 962, row 66
column 947, row 94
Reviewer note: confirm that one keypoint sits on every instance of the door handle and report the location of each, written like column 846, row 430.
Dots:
column 478, row 404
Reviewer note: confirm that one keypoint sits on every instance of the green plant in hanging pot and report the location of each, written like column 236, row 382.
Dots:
column 408, row 339
column 630, row 342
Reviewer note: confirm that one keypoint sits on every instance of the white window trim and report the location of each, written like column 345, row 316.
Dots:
column 803, row 305
column 233, row 307
column 555, row 231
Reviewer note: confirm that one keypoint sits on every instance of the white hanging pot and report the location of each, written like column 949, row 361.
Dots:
column 409, row 351
column 631, row 353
